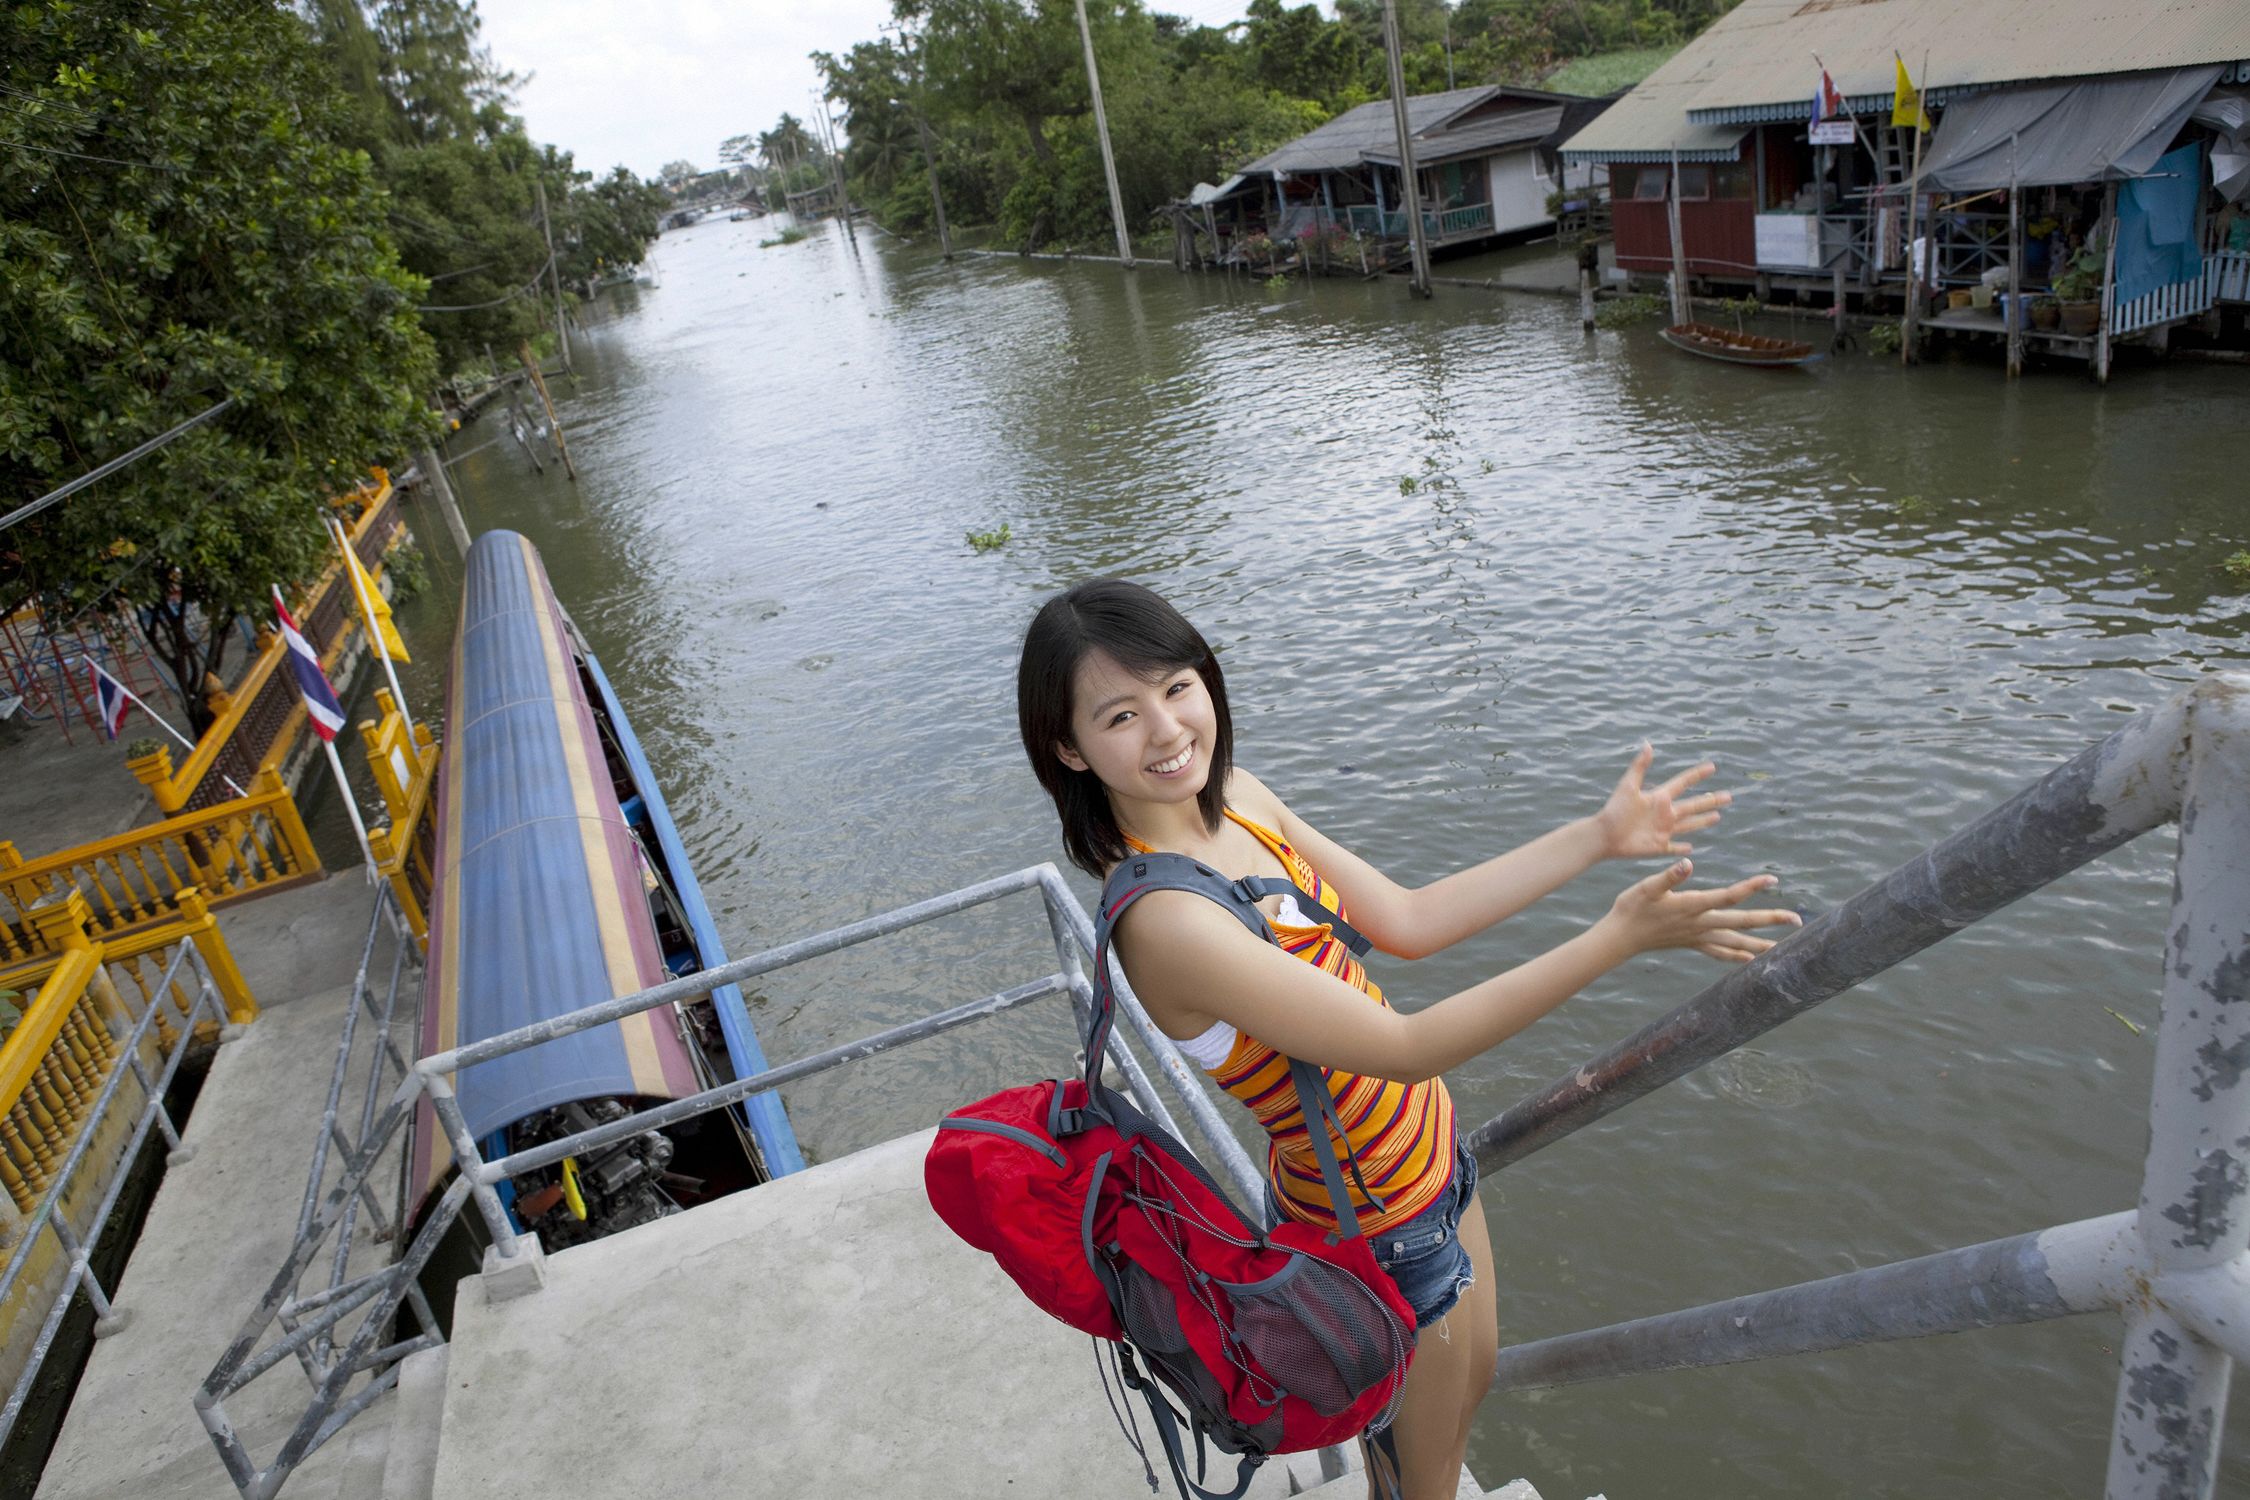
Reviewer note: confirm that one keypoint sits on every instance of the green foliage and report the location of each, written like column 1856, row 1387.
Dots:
column 1884, row 339
column 1000, row 86
column 424, row 99
column 407, row 570
column 225, row 243
column 789, row 235
column 989, row 541
column 145, row 745
column 1607, row 72
column 2081, row 281
column 1625, row 312
column 2237, row 568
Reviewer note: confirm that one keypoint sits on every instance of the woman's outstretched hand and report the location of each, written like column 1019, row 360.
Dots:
column 1638, row 822
column 1656, row 913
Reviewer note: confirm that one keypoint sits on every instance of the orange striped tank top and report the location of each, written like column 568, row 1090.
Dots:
column 1402, row 1132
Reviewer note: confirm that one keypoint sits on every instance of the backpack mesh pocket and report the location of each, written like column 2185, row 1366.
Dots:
column 1319, row 1333
column 1152, row 1322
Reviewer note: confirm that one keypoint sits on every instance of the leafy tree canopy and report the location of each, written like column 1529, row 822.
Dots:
column 1001, row 86
column 180, row 224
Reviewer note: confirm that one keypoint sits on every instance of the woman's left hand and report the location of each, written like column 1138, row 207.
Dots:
column 1641, row 822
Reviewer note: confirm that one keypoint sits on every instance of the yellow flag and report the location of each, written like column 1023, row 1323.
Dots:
column 1906, row 101
column 387, row 639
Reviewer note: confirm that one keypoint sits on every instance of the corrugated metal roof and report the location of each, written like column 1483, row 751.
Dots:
column 1756, row 62
column 1344, row 142
column 1651, row 122
column 1524, row 127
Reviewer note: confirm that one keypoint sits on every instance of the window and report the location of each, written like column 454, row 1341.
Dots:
column 1649, row 182
column 1730, row 179
column 1695, row 183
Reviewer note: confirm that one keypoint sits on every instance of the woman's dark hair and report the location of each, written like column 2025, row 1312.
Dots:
column 1145, row 636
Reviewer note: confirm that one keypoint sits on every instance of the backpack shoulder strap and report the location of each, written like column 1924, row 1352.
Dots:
column 1140, row 874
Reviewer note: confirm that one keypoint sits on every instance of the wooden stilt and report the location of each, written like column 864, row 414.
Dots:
column 2109, row 281
column 1682, row 307
column 2016, row 313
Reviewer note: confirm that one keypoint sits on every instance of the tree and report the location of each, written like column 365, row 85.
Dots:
column 179, row 225
column 676, row 175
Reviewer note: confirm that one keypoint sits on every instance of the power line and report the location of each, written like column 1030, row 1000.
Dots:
column 522, row 291
column 154, row 166
column 61, row 104
column 56, row 496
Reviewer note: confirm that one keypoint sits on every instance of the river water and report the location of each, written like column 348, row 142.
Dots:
column 1459, row 558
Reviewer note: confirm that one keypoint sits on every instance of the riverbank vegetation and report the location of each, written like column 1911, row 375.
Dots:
column 307, row 215
column 1000, row 86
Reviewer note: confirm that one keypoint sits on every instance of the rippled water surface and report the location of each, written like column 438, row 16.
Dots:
column 1459, row 558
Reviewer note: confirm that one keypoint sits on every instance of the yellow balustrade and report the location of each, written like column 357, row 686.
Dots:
column 405, row 767
column 172, row 788
column 238, row 848
column 56, row 1060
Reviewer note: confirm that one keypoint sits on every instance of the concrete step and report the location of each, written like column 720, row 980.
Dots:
column 1304, row 1479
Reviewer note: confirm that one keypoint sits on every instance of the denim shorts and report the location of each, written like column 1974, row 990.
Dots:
column 1424, row 1255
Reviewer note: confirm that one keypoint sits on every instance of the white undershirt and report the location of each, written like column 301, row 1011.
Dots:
column 1210, row 1049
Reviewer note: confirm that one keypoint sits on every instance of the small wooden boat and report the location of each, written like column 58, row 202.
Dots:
column 1734, row 347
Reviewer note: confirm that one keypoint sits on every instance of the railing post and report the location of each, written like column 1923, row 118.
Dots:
column 218, row 958
column 2195, row 1191
column 154, row 771
column 296, row 840
column 62, row 924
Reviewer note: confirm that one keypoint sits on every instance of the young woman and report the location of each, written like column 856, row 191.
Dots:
column 1124, row 715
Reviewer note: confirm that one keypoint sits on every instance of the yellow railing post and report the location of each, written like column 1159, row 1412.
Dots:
column 154, row 771
column 296, row 841
column 203, row 929
column 62, row 924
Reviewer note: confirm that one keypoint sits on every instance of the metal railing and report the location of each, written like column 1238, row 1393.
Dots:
column 63, row 1084
column 336, row 1329
column 2177, row 1267
column 1437, row 224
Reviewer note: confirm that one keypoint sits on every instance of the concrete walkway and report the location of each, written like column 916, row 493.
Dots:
column 220, row 1227
column 822, row 1335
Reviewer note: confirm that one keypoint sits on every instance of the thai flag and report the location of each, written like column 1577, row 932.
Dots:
column 326, row 713
column 1827, row 104
column 110, row 698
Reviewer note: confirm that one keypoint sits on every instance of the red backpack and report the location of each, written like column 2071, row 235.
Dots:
column 1270, row 1339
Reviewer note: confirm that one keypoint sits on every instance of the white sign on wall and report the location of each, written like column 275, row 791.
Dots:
column 1832, row 133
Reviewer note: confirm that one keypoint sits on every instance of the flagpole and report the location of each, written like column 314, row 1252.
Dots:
column 1917, row 269
column 373, row 626
column 161, row 722
column 344, row 788
column 304, row 665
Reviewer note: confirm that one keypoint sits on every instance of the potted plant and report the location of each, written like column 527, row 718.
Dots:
column 2079, row 288
column 2046, row 313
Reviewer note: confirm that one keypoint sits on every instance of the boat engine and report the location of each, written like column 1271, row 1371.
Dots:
column 585, row 1197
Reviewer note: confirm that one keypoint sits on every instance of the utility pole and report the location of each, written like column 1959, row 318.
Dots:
column 1406, row 172
column 937, row 199
column 835, row 165
column 554, row 272
column 1101, row 128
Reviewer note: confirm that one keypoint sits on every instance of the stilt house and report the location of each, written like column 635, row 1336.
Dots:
column 1484, row 159
column 2081, row 154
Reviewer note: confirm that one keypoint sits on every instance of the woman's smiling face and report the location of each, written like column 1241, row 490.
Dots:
column 1148, row 739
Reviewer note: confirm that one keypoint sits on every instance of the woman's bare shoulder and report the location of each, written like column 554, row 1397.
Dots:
column 1247, row 795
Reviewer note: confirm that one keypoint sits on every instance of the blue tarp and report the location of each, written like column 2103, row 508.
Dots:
column 2157, row 240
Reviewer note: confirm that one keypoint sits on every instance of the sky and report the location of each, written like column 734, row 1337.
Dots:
column 645, row 82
